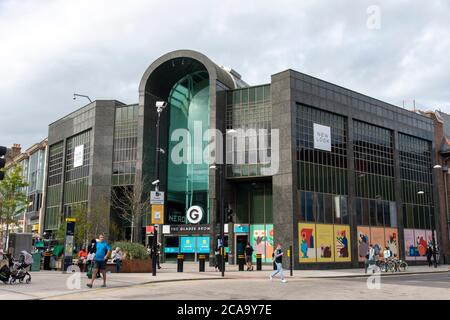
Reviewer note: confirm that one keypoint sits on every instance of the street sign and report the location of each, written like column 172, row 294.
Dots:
column 194, row 214
column 157, row 213
column 156, row 197
column 69, row 242
column 149, row 230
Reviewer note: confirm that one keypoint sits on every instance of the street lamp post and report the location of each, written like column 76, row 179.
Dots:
column 160, row 106
column 222, row 218
column 221, row 171
column 75, row 95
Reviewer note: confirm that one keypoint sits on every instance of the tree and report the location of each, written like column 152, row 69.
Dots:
column 13, row 199
column 132, row 203
column 88, row 223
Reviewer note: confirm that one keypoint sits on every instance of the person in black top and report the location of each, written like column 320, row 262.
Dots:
column 278, row 259
column 248, row 256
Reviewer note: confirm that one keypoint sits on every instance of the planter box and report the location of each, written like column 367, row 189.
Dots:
column 136, row 266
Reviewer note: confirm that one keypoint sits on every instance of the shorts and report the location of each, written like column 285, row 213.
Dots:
column 100, row 265
column 248, row 259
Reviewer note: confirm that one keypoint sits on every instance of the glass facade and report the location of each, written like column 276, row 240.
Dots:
column 249, row 110
column 54, row 184
column 319, row 170
column 125, row 145
column 416, row 176
column 187, row 171
column 76, row 177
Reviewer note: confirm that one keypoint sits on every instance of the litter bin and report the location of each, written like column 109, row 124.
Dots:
column 201, row 263
column 241, row 261
column 180, row 259
column 36, row 266
column 47, row 257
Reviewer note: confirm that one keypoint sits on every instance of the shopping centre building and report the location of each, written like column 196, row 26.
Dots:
column 309, row 164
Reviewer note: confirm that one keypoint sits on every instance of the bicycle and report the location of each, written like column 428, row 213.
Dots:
column 400, row 265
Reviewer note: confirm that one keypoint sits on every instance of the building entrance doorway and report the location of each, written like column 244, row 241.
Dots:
column 241, row 242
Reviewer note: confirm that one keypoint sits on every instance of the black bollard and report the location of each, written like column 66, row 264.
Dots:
column 201, row 263
column 259, row 262
column 241, row 261
column 180, row 259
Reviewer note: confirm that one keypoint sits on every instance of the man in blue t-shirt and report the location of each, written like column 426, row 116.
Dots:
column 102, row 251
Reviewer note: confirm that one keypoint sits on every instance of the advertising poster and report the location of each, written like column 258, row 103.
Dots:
column 258, row 239
column 202, row 244
column 325, row 243
column 307, row 242
column 391, row 236
column 269, row 243
column 377, row 239
column 187, row 244
column 421, row 244
column 342, row 243
column 410, row 244
column 363, row 242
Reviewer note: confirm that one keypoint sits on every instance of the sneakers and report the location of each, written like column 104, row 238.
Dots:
column 270, row 278
column 284, row 280
column 89, row 285
column 103, row 285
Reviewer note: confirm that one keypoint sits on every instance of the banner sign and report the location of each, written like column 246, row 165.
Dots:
column 78, row 155
column 322, row 137
column 157, row 213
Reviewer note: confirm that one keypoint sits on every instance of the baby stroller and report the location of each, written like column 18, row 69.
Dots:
column 19, row 268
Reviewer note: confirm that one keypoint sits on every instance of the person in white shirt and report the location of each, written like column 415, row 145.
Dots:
column 386, row 253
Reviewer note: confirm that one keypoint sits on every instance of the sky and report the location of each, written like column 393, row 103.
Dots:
column 396, row 51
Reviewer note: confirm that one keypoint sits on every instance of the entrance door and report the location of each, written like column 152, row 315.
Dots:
column 241, row 242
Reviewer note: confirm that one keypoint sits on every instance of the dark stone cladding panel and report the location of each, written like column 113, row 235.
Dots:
column 333, row 98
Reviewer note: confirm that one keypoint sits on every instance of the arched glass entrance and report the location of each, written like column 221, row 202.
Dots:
column 187, row 171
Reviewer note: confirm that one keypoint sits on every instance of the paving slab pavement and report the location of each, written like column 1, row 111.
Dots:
column 48, row 284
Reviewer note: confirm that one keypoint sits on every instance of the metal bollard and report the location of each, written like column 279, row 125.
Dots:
column 180, row 259
column 291, row 265
column 241, row 261
column 259, row 262
column 201, row 263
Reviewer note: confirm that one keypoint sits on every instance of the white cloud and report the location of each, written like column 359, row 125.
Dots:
column 50, row 49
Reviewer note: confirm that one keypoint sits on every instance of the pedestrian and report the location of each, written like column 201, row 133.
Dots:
column 372, row 259
column 117, row 257
column 102, row 251
column 386, row 253
column 158, row 254
column 217, row 260
column 91, row 254
column 82, row 256
column 429, row 255
column 366, row 261
column 248, row 256
column 278, row 259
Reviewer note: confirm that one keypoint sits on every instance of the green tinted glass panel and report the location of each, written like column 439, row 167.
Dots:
column 188, row 175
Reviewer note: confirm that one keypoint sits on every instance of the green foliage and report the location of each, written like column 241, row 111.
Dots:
column 132, row 250
column 13, row 199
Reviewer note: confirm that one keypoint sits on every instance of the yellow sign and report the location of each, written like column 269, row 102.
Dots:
column 157, row 214
column 71, row 220
column 325, row 243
